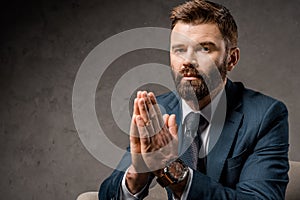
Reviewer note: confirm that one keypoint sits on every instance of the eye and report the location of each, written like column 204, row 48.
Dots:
column 179, row 50
column 203, row 49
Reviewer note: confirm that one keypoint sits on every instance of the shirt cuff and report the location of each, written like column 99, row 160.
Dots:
column 126, row 195
column 187, row 187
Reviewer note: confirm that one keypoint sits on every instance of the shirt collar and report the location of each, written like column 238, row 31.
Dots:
column 207, row 112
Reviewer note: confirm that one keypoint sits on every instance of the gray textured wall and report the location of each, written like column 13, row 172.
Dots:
column 43, row 44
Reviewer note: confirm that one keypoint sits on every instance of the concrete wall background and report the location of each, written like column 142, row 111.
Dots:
column 43, row 44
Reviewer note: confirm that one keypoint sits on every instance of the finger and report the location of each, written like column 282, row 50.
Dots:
column 170, row 125
column 144, row 95
column 134, row 134
column 157, row 109
column 153, row 116
column 143, row 132
column 135, row 144
column 147, row 102
column 173, row 128
column 152, row 97
column 166, row 118
column 143, row 110
column 156, row 118
column 133, row 127
column 139, row 93
column 136, row 107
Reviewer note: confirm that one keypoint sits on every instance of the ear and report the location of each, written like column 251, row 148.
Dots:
column 233, row 58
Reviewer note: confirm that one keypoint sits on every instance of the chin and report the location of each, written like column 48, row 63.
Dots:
column 195, row 91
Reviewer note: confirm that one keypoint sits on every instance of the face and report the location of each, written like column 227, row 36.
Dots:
column 198, row 59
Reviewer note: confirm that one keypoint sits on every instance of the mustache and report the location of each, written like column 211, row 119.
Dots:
column 190, row 72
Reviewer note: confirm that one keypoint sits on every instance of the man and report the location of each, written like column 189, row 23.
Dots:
column 246, row 159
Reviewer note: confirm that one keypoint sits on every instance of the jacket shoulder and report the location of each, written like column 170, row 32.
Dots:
column 260, row 102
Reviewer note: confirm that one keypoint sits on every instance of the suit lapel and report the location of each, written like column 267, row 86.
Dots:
column 218, row 154
column 224, row 129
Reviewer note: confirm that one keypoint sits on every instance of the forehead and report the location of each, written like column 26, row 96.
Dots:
column 186, row 32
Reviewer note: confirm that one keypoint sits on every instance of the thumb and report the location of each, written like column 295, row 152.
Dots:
column 171, row 124
column 134, row 136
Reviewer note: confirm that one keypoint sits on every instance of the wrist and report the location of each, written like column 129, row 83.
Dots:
column 158, row 173
column 179, row 188
column 135, row 181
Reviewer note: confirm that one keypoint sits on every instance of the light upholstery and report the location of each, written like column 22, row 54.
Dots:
column 293, row 189
column 88, row 196
column 158, row 193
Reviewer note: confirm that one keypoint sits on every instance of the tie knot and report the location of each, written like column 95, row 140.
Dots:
column 192, row 121
column 195, row 121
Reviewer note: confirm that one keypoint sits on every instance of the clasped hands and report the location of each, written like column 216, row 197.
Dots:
column 153, row 141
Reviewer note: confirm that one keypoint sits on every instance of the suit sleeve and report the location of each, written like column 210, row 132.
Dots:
column 265, row 172
column 111, row 187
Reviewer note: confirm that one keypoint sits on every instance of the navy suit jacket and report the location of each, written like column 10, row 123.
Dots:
column 249, row 159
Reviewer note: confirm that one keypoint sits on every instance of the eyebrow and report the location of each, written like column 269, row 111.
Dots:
column 208, row 43
column 177, row 46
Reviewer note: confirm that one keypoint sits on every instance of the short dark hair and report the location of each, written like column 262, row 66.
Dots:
column 201, row 11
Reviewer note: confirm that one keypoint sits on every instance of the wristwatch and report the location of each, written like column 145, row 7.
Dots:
column 174, row 172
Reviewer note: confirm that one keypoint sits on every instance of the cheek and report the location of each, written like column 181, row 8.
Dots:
column 206, row 64
column 211, row 63
column 175, row 62
column 219, row 61
column 223, row 59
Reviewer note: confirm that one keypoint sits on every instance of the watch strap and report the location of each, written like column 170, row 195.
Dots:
column 164, row 180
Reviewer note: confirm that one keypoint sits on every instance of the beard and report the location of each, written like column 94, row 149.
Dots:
column 196, row 90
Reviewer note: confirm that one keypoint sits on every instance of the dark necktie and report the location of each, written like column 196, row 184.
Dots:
column 195, row 124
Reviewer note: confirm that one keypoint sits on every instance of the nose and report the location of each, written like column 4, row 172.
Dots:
column 190, row 60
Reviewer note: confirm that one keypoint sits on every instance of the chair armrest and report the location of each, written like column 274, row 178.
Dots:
column 88, row 196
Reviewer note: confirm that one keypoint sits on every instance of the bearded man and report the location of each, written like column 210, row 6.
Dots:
column 217, row 140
